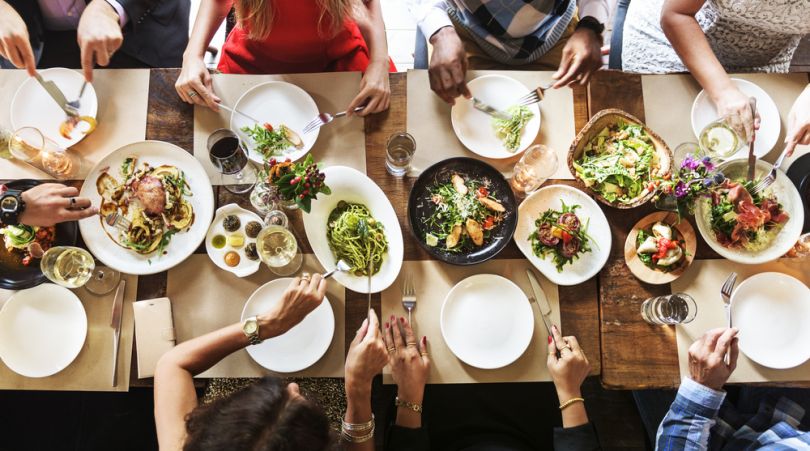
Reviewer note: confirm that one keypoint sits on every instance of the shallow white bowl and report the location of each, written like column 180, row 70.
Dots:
column 246, row 266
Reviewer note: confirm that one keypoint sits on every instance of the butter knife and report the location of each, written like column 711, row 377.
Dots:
column 490, row 110
column 541, row 301
column 57, row 95
column 752, row 159
column 115, row 323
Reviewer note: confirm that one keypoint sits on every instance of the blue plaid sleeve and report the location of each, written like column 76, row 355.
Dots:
column 687, row 424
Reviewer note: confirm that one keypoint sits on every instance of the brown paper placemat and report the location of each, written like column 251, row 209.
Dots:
column 342, row 142
column 432, row 281
column 429, row 122
column 92, row 369
column 668, row 104
column 206, row 298
column 123, row 96
column 702, row 281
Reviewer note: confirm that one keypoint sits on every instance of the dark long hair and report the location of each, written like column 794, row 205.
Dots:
column 257, row 418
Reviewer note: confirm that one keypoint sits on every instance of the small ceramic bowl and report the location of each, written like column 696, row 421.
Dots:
column 246, row 266
column 644, row 272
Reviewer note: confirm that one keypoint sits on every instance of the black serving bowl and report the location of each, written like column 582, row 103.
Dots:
column 799, row 174
column 420, row 206
column 18, row 277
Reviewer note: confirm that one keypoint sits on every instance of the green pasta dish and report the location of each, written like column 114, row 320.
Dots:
column 510, row 130
column 356, row 237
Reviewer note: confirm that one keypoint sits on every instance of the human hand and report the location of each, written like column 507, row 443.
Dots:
column 194, row 84
column 14, row 43
column 99, row 36
column 707, row 364
column 408, row 358
column 581, row 57
column 302, row 296
column 798, row 129
column 735, row 107
column 448, row 66
column 570, row 369
column 375, row 91
column 366, row 357
column 51, row 203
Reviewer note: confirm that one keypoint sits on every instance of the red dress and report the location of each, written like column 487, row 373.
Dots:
column 295, row 46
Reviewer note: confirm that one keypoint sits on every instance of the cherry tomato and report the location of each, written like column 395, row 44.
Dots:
column 483, row 191
column 268, row 127
column 489, row 223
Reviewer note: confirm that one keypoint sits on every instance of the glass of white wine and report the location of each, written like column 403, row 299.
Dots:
column 720, row 139
column 31, row 146
column 278, row 249
column 68, row 266
column 536, row 165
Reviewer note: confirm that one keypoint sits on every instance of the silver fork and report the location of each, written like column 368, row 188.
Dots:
column 408, row 295
column 534, row 96
column 77, row 103
column 118, row 221
column 325, row 118
column 725, row 294
column 771, row 177
column 341, row 266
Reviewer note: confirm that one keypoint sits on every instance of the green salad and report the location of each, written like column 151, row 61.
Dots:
column 620, row 163
column 561, row 234
column 272, row 142
column 510, row 131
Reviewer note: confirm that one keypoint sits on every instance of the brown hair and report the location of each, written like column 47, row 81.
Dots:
column 256, row 16
column 259, row 417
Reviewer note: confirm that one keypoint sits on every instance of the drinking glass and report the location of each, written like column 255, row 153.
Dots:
column 722, row 138
column 103, row 281
column 68, row 266
column 398, row 153
column 278, row 249
column 537, row 164
column 31, row 146
column 675, row 308
column 802, row 247
column 684, row 149
column 5, row 140
column 230, row 158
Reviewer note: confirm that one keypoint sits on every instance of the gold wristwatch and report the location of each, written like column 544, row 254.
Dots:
column 251, row 329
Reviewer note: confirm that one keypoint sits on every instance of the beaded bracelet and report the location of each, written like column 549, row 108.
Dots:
column 571, row 401
column 408, row 405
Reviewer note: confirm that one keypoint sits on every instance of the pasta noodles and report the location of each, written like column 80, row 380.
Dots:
column 356, row 237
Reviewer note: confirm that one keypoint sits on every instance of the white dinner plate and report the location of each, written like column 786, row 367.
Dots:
column 300, row 347
column 486, row 321
column 96, row 233
column 33, row 107
column 772, row 312
column 276, row 102
column 42, row 330
column 704, row 113
column 474, row 128
column 246, row 266
column 351, row 185
column 588, row 264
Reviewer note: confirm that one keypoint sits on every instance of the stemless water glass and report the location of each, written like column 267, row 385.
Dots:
column 68, row 266
column 675, row 308
column 28, row 144
column 278, row 249
column 537, row 164
column 398, row 153
column 230, row 158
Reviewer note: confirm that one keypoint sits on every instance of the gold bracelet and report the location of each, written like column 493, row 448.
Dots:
column 571, row 401
column 408, row 405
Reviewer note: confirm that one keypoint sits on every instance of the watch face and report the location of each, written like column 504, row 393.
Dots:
column 250, row 327
column 9, row 203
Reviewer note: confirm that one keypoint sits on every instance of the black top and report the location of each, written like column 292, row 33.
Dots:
column 580, row 438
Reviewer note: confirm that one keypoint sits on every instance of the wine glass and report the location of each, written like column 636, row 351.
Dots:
column 278, row 249
column 537, row 164
column 102, row 281
column 68, row 266
column 31, row 146
column 230, row 158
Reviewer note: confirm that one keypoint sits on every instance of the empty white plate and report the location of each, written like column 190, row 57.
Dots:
column 487, row 321
column 33, row 107
column 301, row 346
column 42, row 330
column 704, row 113
column 276, row 102
column 474, row 128
column 772, row 312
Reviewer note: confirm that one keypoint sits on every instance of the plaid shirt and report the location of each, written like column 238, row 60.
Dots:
column 696, row 421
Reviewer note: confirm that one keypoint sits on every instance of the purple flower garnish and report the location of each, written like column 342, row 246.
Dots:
column 719, row 178
column 707, row 163
column 690, row 162
column 681, row 189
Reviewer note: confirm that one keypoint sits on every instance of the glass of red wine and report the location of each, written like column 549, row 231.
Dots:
column 230, row 158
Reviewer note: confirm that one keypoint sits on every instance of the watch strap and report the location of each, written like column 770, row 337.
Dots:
column 591, row 23
column 11, row 217
column 253, row 338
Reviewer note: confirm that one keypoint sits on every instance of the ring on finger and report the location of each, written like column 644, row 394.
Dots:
column 392, row 349
column 411, row 344
column 191, row 94
column 566, row 347
column 423, row 354
column 305, row 277
column 71, row 203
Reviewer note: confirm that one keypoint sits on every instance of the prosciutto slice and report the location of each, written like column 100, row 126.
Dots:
column 750, row 217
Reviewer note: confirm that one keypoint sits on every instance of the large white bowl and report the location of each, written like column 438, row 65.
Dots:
column 704, row 112
column 487, row 321
column 353, row 186
column 786, row 194
column 588, row 264
column 33, row 107
column 474, row 128
column 96, row 233
column 300, row 347
column 772, row 312
column 42, row 330
column 276, row 102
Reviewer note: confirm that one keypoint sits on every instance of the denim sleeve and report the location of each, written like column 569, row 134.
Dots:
column 688, row 423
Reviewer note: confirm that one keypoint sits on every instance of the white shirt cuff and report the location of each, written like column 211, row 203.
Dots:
column 122, row 14
column 433, row 21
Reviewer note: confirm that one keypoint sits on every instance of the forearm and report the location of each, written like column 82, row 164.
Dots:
column 209, row 18
column 373, row 31
column 574, row 414
column 358, row 410
column 406, row 417
column 598, row 9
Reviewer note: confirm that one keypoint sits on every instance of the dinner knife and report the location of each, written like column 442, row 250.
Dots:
column 541, row 301
column 490, row 110
column 752, row 159
column 115, row 323
column 56, row 94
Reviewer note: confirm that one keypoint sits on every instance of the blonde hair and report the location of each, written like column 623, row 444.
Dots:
column 256, row 16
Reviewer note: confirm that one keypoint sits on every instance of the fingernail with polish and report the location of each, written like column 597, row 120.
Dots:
column 386, row 325
column 549, row 339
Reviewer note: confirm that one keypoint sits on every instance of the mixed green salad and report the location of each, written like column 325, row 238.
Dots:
column 620, row 163
column 561, row 234
column 273, row 141
column 510, row 131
